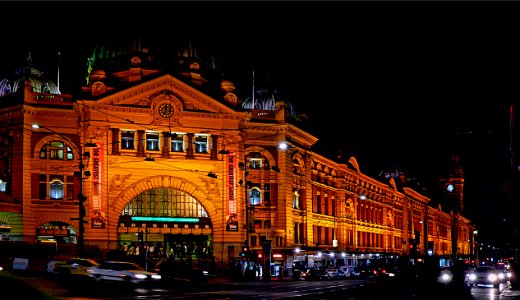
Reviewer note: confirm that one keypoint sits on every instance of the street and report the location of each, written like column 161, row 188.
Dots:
column 37, row 286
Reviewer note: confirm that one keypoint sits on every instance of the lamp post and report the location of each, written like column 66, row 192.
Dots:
column 475, row 237
column 243, row 166
column 81, row 197
column 82, row 212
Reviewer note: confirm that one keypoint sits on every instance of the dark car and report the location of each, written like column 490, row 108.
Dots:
column 315, row 274
column 485, row 275
column 178, row 270
column 359, row 272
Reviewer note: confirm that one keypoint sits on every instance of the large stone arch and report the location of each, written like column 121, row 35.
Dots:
column 163, row 181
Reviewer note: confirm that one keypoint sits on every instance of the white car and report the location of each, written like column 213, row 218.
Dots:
column 122, row 271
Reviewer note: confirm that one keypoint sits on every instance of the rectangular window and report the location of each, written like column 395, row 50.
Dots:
column 255, row 163
column 42, row 195
column 56, row 190
column 56, row 150
column 152, row 141
column 128, row 139
column 177, row 143
column 201, row 144
column 69, row 188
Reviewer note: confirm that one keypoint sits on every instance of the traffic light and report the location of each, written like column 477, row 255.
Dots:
column 244, row 254
column 140, row 236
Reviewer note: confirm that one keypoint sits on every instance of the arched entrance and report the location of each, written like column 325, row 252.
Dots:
column 166, row 222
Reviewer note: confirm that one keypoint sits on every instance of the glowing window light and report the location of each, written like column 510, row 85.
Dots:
column 165, row 219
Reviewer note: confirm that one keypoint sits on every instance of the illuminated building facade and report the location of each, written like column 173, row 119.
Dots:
column 167, row 159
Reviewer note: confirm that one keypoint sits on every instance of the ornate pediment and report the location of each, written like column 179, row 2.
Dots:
column 165, row 88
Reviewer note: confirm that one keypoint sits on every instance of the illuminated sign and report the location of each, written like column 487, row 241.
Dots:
column 98, row 215
column 231, row 190
column 165, row 219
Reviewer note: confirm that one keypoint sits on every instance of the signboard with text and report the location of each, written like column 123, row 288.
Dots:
column 98, row 215
column 231, row 190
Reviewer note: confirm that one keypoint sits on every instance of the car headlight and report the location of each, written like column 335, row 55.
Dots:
column 156, row 276
column 492, row 277
column 140, row 276
column 501, row 276
column 472, row 277
column 446, row 277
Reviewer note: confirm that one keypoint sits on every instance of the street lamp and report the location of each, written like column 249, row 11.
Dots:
column 81, row 197
column 476, row 242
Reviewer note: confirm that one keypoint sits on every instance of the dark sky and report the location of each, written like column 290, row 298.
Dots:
column 399, row 84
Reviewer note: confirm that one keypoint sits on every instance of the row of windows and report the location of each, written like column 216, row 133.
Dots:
column 178, row 141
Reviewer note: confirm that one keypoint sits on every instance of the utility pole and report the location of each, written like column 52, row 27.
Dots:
column 82, row 211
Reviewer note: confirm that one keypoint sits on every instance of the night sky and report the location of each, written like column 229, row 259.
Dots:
column 395, row 84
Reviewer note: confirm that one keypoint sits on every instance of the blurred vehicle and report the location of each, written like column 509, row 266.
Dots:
column 359, row 272
column 506, row 270
column 485, row 275
column 377, row 272
column 344, row 272
column 507, row 275
column 332, row 274
column 445, row 275
column 315, row 274
column 174, row 270
column 122, row 271
column 74, row 266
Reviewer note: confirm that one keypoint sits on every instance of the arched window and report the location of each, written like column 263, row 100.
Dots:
column 255, row 196
column 57, row 151
column 164, row 202
column 56, row 189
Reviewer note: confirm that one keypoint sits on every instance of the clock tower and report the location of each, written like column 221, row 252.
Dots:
column 452, row 185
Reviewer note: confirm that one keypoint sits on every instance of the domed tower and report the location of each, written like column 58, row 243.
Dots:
column 29, row 77
column 115, row 63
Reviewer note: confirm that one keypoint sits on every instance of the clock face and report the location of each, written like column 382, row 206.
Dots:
column 450, row 187
column 165, row 110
